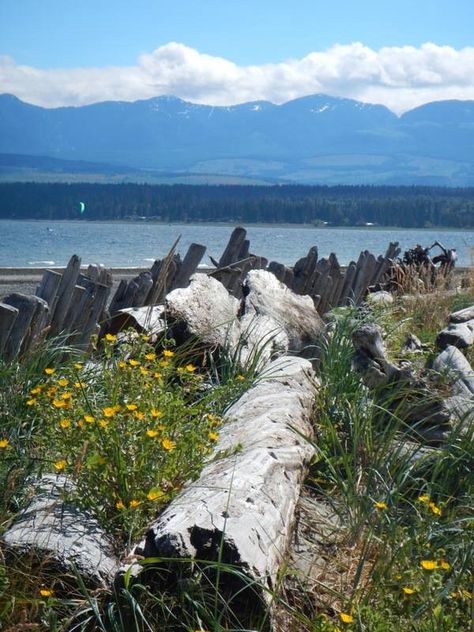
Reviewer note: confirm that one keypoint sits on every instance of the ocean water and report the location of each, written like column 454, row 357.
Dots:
column 136, row 244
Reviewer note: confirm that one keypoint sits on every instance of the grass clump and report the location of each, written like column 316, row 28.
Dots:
column 404, row 549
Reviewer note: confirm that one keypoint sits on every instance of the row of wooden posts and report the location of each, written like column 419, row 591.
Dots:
column 75, row 303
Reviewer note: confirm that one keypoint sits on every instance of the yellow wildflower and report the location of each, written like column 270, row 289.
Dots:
column 435, row 509
column 120, row 505
column 150, row 356
column 151, row 433
column 345, row 617
column 50, row 371
column 103, row 423
column 157, row 375
column 138, row 415
column 144, row 371
column 89, row 419
column 35, row 391
column 110, row 337
column 78, row 366
column 168, row 444
column 241, row 378
column 65, row 423
column 156, row 413
column 80, row 423
column 4, row 443
column 380, row 505
column 145, row 338
column 63, row 382
column 45, row 592
column 131, row 407
column 79, row 385
column 190, row 368
column 407, row 590
column 121, row 364
column 213, row 436
column 168, row 354
column 133, row 362
column 424, row 499
column 60, row 465
column 66, row 395
column 109, row 411
column 31, row 402
column 428, row 565
column 133, row 504
column 444, row 565
column 59, row 403
column 155, row 494
column 164, row 363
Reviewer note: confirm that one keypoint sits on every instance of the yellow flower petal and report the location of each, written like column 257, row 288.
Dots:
column 110, row 337
column 155, row 494
column 133, row 504
column 168, row 444
column 49, row 371
column 168, row 354
column 345, row 617
column 380, row 505
column 424, row 499
column 63, row 382
column 407, row 590
column 60, row 465
column 120, row 505
column 65, row 423
column 45, row 592
column 151, row 433
column 150, row 356
column 4, row 443
column 428, row 565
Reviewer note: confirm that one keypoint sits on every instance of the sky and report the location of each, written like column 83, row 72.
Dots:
column 400, row 53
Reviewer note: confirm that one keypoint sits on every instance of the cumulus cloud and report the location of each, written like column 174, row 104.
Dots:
column 399, row 77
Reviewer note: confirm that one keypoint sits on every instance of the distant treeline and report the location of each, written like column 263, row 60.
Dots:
column 411, row 207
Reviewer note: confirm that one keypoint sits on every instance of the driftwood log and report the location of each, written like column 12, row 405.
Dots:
column 463, row 315
column 55, row 531
column 460, row 335
column 241, row 509
column 454, row 367
column 264, row 295
column 419, row 407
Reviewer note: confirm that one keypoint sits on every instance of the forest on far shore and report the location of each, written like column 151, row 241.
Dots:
column 404, row 206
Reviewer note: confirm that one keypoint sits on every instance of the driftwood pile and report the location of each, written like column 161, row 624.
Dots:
column 77, row 303
column 419, row 397
column 242, row 509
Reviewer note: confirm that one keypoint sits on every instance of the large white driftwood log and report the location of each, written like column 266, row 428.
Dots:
column 454, row 366
column 241, row 509
column 265, row 295
column 463, row 315
column 205, row 310
column 61, row 535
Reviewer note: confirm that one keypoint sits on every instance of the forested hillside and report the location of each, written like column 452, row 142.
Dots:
column 338, row 205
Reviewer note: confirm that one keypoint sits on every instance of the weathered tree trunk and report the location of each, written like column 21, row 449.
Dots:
column 241, row 509
column 61, row 535
column 234, row 247
column 460, row 335
column 27, row 307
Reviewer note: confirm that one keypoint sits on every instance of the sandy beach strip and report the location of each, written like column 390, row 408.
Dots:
column 26, row 280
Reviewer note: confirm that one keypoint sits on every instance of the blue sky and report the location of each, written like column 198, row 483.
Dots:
column 41, row 40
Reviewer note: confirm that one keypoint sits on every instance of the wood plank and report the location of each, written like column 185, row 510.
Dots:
column 26, row 306
column 233, row 248
column 48, row 288
column 8, row 315
column 189, row 265
column 65, row 291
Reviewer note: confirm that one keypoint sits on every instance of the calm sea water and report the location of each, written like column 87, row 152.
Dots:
column 121, row 244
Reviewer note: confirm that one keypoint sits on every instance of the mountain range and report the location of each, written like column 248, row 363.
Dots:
column 316, row 139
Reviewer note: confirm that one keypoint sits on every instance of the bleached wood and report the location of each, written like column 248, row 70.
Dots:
column 244, row 502
column 64, row 294
column 462, row 315
column 61, row 535
column 296, row 315
column 8, row 315
column 459, row 335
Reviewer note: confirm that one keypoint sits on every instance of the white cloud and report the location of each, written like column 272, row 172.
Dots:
column 399, row 77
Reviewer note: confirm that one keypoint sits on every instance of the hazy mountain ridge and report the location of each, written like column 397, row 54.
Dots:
column 313, row 139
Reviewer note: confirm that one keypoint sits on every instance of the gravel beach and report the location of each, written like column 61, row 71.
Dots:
column 26, row 280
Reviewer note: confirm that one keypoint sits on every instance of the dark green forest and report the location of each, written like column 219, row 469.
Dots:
column 411, row 207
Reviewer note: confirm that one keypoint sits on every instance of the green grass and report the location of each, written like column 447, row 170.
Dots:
column 133, row 425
